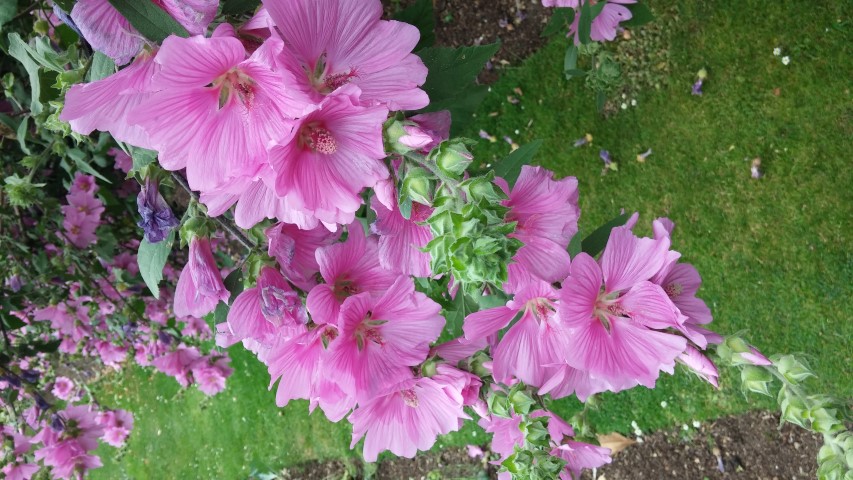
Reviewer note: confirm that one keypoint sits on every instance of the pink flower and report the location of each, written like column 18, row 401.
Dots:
column 63, row 388
column 606, row 23
column 474, row 451
column 108, row 32
column 67, row 452
column 117, row 426
column 107, row 104
column 200, row 286
column 579, row 456
column 613, row 331
column 381, row 338
column 294, row 249
column 123, row 161
column 547, row 214
column 332, row 43
column 407, row 419
column 268, row 311
column 506, row 434
column 332, row 154
column 178, row 364
column 700, row 365
column 348, row 268
column 112, row 355
column 207, row 84
column 430, row 130
column 401, row 240
column 210, row 374
column 19, row 471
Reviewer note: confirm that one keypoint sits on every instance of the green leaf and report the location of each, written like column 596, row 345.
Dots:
column 47, row 347
column 8, row 10
column 236, row 7
column 152, row 258
column 561, row 20
column 597, row 240
column 570, row 61
column 455, row 315
column 575, row 245
column 79, row 159
column 141, row 158
column 150, row 20
column 19, row 49
column 510, row 167
column 588, row 14
column 21, row 133
column 102, row 67
column 12, row 322
column 640, row 15
column 450, row 83
column 234, row 283
column 421, row 15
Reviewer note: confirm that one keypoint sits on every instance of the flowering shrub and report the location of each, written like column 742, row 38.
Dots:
column 335, row 228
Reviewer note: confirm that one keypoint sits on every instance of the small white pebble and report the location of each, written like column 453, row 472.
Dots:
column 624, row 96
column 786, row 60
column 517, row 132
column 777, row 51
column 634, row 424
column 624, row 106
column 696, row 424
column 663, row 404
column 685, row 427
column 640, row 440
column 488, row 165
column 633, row 102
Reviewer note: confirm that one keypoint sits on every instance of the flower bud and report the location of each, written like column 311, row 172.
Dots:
column 418, row 186
column 756, row 379
column 452, row 157
column 157, row 217
column 393, row 131
column 522, row 402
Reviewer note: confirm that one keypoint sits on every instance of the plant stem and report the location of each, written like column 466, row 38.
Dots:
column 226, row 224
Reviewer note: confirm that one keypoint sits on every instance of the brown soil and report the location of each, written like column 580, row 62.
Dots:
column 516, row 23
column 749, row 446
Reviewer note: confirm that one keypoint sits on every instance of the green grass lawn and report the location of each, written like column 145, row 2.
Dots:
column 775, row 253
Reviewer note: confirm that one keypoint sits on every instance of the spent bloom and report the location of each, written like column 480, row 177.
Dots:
column 157, row 217
column 200, row 285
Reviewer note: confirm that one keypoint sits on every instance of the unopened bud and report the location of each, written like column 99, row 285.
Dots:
column 453, row 157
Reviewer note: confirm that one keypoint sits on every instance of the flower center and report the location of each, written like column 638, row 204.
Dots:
column 541, row 308
column 410, row 398
column 235, row 84
column 673, row 290
column 344, row 288
column 318, row 139
column 368, row 331
column 607, row 306
column 326, row 82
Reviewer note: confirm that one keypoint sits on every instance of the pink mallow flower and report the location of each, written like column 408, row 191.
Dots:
column 295, row 251
column 380, row 339
column 67, row 451
column 401, row 240
column 200, row 286
column 614, row 331
column 178, row 364
column 332, row 154
column 332, row 43
column 407, row 419
column 63, row 388
column 268, row 311
column 117, row 426
column 547, row 214
column 208, row 84
column 108, row 32
column 210, row 373
column 347, row 268
column 606, row 23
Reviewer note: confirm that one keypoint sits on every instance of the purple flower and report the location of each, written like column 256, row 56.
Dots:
column 697, row 87
column 14, row 283
column 157, row 218
column 605, row 156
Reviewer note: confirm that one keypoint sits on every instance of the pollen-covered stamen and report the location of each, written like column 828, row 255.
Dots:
column 319, row 139
column 337, row 80
column 368, row 331
column 673, row 290
column 607, row 306
column 541, row 308
column 344, row 288
column 410, row 398
column 324, row 80
column 328, row 335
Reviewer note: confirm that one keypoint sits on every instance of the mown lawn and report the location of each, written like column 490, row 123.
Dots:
column 775, row 253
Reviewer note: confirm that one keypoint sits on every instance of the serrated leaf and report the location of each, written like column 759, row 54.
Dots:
column 151, row 259
column 420, row 14
column 640, row 15
column 150, row 20
column 236, row 7
column 597, row 240
column 510, row 167
column 561, row 20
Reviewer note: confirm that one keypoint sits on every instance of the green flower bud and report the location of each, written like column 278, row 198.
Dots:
column 41, row 27
column 522, row 402
column 418, row 186
column 452, row 157
column 793, row 370
column 756, row 379
column 393, row 131
column 499, row 404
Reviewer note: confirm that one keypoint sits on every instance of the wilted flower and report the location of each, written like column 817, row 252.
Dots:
column 643, row 156
column 697, row 87
column 157, row 217
column 755, row 168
